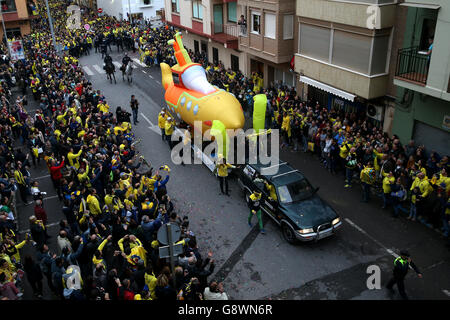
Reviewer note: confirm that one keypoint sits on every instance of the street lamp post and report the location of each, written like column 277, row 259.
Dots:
column 50, row 22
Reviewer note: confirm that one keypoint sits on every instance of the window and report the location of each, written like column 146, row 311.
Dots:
column 270, row 25
column 351, row 50
column 197, row 10
column 256, row 22
column 175, row 6
column 8, row 5
column 314, row 41
column 232, row 14
column 288, row 26
column 379, row 55
column 296, row 191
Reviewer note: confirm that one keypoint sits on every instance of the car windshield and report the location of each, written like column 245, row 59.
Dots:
column 296, row 191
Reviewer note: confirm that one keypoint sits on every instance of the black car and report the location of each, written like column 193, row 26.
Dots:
column 295, row 205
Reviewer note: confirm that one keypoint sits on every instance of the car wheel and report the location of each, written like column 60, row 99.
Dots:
column 288, row 233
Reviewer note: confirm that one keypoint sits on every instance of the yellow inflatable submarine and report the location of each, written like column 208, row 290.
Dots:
column 190, row 97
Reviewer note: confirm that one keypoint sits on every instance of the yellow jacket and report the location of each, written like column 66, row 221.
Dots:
column 94, row 205
column 222, row 169
column 168, row 128
column 73, row 158
column 387, row 181
column 161, row 121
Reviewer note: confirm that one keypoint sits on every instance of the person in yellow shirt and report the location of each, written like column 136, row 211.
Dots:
column 93, row 203
column 73, row 157
column 286, row 129
column 162, row 123
column 443, row 178
column 388, row 180
column 169, row 127
column 222, row 172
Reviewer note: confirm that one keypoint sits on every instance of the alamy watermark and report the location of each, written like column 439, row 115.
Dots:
column 374, row 280
column 241, row 147
column 73, row 22
column 374, row 17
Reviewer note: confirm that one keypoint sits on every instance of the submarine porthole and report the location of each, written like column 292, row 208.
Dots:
column 195, row 109
column 183, row 100
column 188, row 106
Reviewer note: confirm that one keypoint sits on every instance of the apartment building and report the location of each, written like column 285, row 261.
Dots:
column 343, row 54
column 208, row 26
column 17, row 15
column 268, row 39
column 263, row 43
column 139, row 9
column 422, row 76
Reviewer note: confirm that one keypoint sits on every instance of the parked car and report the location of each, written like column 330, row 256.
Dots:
column 297, row 209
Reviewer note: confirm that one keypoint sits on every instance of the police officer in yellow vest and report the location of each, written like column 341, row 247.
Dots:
column 401, row 267
column 222, row 172
column 161, row 123
column 169, row 127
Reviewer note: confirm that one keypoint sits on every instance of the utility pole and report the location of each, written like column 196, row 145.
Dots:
column 129, row 12
column 50, row 22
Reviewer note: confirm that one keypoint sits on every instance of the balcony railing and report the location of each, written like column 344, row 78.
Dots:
column 230, row 31
column 412, row 66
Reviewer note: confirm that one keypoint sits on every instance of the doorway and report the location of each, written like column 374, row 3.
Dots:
column 204, row 49
column 234, row 63
column 215, row 55
column 196, row 46
column 257, row 66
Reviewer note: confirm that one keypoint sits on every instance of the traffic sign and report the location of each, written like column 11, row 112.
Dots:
column 164, row 252
column 100, row 10
column 175, row 231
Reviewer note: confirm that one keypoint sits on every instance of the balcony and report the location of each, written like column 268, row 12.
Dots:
column 412, row 66
column 226, row 34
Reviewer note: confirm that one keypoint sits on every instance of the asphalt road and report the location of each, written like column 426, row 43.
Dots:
column 256, row 266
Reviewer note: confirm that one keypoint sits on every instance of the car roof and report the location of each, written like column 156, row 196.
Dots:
column 284, row 175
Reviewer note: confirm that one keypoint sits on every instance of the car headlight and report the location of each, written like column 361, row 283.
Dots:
column 309, row 230
column 336, row 221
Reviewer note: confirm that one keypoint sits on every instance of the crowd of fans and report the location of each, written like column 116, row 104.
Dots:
column 113, row 200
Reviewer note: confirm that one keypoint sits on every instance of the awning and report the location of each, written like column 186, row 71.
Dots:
column 327, row 88
column 420, row 5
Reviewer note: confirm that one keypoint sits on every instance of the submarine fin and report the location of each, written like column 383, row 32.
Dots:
column 181, row 54
column 166, row 74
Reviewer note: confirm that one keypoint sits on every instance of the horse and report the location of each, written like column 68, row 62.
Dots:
column 110, row 69
column 128, row 71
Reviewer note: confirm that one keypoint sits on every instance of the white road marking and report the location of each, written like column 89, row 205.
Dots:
column 98, row 69
column 370, row 237
column 152, row 127
column 47, row 198
column 144, row 71
column 41, row 177
column 150, row 76
column 139, row 62
column 88, row 71
column 158, row 82
column 117, row 64
column 47, row 226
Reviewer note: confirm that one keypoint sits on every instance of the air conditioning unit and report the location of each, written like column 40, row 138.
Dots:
column 375, row 112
